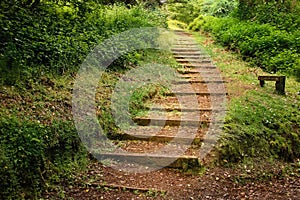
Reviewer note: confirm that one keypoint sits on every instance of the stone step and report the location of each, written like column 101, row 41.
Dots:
column 198, row 60
column 169, row 109
column 205, row 77
column 183, row 134
column 197, row 71
column 185, row 81
column 188, row 53
column 197, row 93
column 203, row 65
column 145, row 121
column 185, row 44
column 185, row 49
column 152, row 160
column 179, row 56
column 159, row 138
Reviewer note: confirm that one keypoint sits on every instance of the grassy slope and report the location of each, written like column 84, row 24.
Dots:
column 259, row 123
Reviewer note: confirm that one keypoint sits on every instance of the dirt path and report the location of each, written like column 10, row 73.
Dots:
column 100, row 182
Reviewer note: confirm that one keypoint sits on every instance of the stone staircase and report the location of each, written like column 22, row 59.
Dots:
column 176, row 133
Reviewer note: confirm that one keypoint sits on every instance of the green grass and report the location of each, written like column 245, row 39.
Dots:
column 259, row 122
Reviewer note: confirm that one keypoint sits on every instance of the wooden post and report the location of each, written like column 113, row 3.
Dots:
column 280, row 85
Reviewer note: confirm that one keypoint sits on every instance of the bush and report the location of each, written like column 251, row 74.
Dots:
column 218, row 8
column 31, row 153
column 283, row 15
column 185, row 10
column 55, row 38
column 262, row 44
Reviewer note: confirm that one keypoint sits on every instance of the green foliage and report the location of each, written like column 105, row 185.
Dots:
column 55, row 37
column 283, row 15
column 184, row 10
column 220, row 8
column 262, row 44
column 271, row 130
column 31, row 153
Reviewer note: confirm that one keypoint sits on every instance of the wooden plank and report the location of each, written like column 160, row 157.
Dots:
column 270, row 78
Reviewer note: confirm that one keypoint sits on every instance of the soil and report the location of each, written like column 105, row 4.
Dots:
column 101, row 182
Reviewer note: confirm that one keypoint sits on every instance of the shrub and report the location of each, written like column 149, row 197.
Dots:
column 185, row 10
column 264, row 45
column 219, row 8
column 284, row 15
column 31, row 153
column 55, row 38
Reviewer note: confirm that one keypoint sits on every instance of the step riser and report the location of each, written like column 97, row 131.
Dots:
column 161, row 122
column 153, row 161
column 191, row 57
column 196, row 93
column 196, row 71
column 196, row 81
column 186, row 110
column 159, row 138
column 188, row 53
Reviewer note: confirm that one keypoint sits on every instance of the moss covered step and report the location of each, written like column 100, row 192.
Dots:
column 163, row 134
column 152, row 160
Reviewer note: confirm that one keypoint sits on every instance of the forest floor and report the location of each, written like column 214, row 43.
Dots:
column 101, row 182
column 254, row 180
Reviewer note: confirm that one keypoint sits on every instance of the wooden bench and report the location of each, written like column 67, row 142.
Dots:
column 280, row 82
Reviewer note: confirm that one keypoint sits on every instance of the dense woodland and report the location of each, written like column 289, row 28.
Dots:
column 43, row 43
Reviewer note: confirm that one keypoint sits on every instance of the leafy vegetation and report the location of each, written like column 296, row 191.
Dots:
column 260, row 124
column 264, row 32
column 271, row 130
column 264, row 45
column 43, row 44
column 56, row 37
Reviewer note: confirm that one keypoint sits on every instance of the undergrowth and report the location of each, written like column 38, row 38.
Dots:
column 43, row 44
column 263, row 45
column 259, row 124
